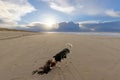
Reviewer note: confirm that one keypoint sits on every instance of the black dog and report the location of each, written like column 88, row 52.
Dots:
column 61, row 55
column 52, row 62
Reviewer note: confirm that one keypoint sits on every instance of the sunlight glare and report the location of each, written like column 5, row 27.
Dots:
column 50, row 22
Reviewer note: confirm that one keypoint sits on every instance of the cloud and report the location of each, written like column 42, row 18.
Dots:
column 68, row 27
column 113, row 13
column 59, row 27
column 65, row 9
column 40, row 26
column 89, row 22
column 76, row 6
column 61, row 5
column 7, row 23
column 90, row 26
column 84, row 26
column 105, row 26
column 84, row 7
column 11, row 11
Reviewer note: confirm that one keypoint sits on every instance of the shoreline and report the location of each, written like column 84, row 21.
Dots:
column 112, row 34
column 14, row 34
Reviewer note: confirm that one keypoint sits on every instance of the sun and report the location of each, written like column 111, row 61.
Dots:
column 50, row 22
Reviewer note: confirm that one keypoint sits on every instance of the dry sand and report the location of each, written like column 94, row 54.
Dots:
column 91, row 58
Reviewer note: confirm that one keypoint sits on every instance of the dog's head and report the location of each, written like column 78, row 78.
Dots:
column 69, row 45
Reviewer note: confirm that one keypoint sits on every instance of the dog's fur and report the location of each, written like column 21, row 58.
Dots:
column 52, row 62
column 61, row 55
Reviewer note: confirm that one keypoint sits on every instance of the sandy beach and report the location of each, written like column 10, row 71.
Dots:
column 91, row 57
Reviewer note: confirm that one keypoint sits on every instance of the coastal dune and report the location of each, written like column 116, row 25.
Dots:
column 91, row 57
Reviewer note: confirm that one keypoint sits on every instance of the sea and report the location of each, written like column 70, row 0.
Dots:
column 111, row 34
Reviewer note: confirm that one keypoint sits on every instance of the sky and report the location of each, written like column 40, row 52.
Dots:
column 50, row 15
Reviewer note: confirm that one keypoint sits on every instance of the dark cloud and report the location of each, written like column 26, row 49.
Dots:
column 1, row 21
column 75, row 27
column 102, row 27
column 60, row 27
column 68, row 27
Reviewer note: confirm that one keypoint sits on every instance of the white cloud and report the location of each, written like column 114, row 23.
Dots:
column 92, row 29
column 61, row 5
column 42, row 26
column 7, row 24
column 11, row 11
column 85, row 7
column 89, row 22
column 65, row 9
column 113, row 13
column 83, row 24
